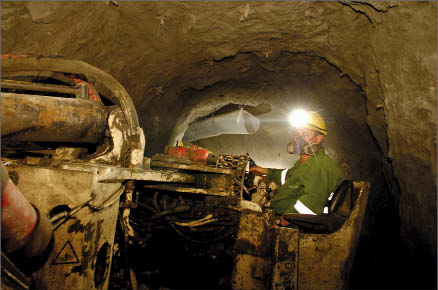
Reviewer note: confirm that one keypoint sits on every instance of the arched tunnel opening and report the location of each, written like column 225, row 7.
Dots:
column 368, row 68
column 271, row 90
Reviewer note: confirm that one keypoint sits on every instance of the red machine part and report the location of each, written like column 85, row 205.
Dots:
column 92, row 93
column 18, row 216
column 22, row 225
column 194, row 152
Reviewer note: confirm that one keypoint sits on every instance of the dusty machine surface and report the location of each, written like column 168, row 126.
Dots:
column 72, row 148
column 184, row 232
column 316, row 253
column 187, row 218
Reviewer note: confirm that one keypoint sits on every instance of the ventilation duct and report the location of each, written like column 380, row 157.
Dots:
column 237, row 122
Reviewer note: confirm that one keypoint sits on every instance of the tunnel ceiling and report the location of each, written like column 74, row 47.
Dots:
column 172, row 55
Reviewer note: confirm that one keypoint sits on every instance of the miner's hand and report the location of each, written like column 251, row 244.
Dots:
column 259, row 171
column 284, row 222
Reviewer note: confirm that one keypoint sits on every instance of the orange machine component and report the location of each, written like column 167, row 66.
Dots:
column 194, row 152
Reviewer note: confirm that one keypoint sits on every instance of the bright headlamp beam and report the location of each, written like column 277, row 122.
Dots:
column 299, row 118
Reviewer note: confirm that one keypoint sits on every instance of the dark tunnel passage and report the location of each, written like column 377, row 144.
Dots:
column 369, row 69
column 271, row 91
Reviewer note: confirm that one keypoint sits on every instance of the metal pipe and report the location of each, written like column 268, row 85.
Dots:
column 51, row 119
column 101, row 80
column 12, row 84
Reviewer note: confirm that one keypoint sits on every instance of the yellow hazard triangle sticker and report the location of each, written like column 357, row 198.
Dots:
column 67, row 255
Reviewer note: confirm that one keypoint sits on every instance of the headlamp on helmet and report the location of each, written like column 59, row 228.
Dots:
column 308, row 119
column 299, row 118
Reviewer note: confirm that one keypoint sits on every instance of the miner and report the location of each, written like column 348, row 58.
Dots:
column 306, row 186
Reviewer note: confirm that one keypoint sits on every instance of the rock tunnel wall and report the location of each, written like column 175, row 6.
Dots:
column 161, row 50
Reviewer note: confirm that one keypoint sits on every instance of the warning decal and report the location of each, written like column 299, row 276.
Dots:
column 67, row 255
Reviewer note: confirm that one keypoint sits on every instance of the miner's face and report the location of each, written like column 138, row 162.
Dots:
column 309, row 136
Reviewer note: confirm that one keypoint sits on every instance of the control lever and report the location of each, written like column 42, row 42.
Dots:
column 249, row 179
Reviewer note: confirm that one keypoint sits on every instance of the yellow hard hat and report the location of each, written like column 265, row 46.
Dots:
column 316, row 123
column 310, row 120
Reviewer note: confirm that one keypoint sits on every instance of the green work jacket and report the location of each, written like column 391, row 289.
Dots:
column 310, row 183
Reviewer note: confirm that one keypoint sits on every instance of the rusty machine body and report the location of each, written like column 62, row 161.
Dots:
column 72, row 144
column 317, row 253
column 72, row 157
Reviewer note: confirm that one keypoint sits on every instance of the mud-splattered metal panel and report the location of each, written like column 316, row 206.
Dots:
column 252, row 268
column 81, row 254
column 285, row 258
